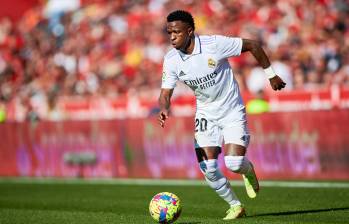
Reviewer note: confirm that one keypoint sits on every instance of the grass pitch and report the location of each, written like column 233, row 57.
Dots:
column 56, row 201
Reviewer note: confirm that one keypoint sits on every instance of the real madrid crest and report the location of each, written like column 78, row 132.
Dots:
column 211, row 63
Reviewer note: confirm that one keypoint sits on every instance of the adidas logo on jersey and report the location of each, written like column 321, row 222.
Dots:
column 182, row 74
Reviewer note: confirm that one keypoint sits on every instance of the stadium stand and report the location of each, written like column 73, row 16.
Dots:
column 102, row 59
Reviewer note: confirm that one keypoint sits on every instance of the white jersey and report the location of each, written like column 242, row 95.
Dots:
column 208, row 73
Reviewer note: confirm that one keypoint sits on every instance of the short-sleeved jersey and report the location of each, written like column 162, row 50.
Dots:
column 208, row 73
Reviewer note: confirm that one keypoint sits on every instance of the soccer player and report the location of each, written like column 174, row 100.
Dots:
column 201, row 62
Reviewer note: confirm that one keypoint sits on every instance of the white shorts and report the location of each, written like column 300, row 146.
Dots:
column 215, row 132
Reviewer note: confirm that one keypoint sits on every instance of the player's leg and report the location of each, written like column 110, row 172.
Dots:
column 236, row 161
column 207, row 158
column 237, row 138
column 208, row 143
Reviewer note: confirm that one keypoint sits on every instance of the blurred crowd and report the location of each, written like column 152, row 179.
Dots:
column 112, row 48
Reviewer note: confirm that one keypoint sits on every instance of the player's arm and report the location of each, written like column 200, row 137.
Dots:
column 257, row 51
column 164, row 104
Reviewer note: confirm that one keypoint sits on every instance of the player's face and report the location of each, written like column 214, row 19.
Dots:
column 179, row 34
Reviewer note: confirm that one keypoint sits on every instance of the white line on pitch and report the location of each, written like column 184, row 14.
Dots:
column 169, row 182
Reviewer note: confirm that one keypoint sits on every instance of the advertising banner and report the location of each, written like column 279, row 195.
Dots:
column 295, row 145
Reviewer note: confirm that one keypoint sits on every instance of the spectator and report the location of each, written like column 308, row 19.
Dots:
column 110, row 47
column 258, row 104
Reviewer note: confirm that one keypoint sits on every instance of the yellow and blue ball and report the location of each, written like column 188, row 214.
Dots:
column 165, row 207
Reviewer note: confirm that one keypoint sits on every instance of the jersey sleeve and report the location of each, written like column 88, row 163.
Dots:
column 228, row 46
column 169, row 76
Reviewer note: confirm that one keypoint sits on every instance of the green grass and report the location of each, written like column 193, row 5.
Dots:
column 114, row 203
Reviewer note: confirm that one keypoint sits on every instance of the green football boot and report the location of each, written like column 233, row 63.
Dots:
column 235, row 212
column 251, row 183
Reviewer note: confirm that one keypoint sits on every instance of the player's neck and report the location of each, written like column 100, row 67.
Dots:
column 189, row 47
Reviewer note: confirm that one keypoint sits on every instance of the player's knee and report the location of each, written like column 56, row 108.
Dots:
column 212, row 174
column 235, row 163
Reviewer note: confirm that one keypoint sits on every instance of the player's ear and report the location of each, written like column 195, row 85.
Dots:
column 190, row 31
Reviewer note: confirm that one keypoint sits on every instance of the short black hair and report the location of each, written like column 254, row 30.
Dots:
column 183, row 16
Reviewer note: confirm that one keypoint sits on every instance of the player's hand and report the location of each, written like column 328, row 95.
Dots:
column 277, row 83
column 163, row 115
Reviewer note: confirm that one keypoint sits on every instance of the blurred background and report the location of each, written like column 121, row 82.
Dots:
column 79, row 81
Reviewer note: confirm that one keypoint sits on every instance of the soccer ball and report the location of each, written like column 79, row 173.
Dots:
column 165, row 207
